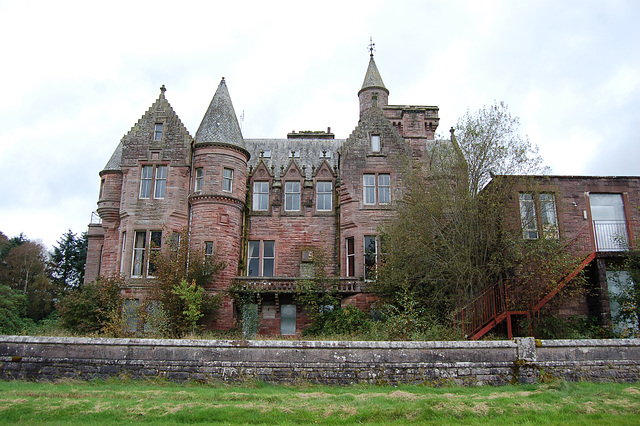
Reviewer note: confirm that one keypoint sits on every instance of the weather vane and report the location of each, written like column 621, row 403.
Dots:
column 372, row 46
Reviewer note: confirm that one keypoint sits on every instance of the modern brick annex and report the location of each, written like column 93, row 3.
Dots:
column 264, row 206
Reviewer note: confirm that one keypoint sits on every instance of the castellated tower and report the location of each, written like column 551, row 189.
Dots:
column 218, row 191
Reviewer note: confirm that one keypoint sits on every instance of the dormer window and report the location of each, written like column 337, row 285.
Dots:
column 375, row 143
column 157, row 131
column 292, row 196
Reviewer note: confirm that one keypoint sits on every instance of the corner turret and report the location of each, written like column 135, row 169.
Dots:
column 373, row 92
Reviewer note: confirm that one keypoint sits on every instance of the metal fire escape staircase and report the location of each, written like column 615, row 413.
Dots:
column 495, row 303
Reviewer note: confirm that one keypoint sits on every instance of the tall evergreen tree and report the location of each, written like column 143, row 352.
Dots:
column 68, row 260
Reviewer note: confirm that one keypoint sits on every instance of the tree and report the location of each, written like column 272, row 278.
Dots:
column 627, row 297
column 68, row 260
column 13, row 307
column 491, row 144
column 172, row 267
column 449, row 240
column 23, row 268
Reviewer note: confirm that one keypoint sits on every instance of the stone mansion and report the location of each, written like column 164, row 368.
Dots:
column 264, row 206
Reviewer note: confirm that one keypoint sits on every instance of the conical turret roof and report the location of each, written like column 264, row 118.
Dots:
column 220, row 124
column 372, row 78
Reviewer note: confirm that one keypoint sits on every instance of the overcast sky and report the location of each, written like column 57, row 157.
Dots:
column 76, row 76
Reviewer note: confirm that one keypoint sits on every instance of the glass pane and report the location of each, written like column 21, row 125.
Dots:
column 369, row 180
column 268, row 267
column 254, row 248
column 140, row 239
column 253, row 266
column 208, row 248
column 369, row 195
column 288, row 319
column 324, row 196
column 269, row 249
column 370, row 257
column 130, row 314
column 375, row 143
column 261, row 196
column 156, row 239
column 528, row 216
column 161, row 172
column 147, row 172
column 227, row 177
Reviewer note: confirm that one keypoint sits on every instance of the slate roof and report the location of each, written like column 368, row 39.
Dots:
column 220, row 124
column 372, row 78
column 115, row 160
column 279, row 150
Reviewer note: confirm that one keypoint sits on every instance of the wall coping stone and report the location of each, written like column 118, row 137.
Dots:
column 285, row 344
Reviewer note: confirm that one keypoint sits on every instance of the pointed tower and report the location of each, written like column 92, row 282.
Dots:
column 218, row 191
column 373, row 92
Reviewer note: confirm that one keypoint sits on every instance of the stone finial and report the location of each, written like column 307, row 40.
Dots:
column 261, row 153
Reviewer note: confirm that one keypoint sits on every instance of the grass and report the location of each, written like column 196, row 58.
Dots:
column 127, row 401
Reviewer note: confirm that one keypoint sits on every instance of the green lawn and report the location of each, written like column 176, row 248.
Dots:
column 127, row 401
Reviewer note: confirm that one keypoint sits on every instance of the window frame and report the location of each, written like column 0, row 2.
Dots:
column 350, row 249
column 325, row 195
column 146, row 181
column 538, row 215
column 227, row 179
column 386, row 187
column 208, row 249
column 369, row 189
column 160, row 181
column 198, row 179
column 152, row 187
column 260, row 196
column 375, row 143
column 292, row 195
column 143, row 249
column 376, row 189
column 155, row 247
column 137, row 255
column 368, row 255
column 158, row 131
column 262, row 256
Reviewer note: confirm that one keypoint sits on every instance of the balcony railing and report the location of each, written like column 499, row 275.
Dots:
column 611, row 235
column 292, row 285
column 95, row 219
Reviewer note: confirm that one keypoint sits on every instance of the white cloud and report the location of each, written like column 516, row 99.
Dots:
column 80, row 74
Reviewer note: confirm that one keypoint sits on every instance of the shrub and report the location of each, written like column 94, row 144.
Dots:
column 92, row 307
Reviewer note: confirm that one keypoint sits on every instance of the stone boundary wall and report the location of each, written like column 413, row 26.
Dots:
column 522, row 360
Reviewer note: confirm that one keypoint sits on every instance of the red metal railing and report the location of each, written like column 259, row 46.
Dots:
column 495, row 302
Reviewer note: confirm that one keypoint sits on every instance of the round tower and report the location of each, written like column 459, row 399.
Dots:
column 218, row 192
column 373, row 92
